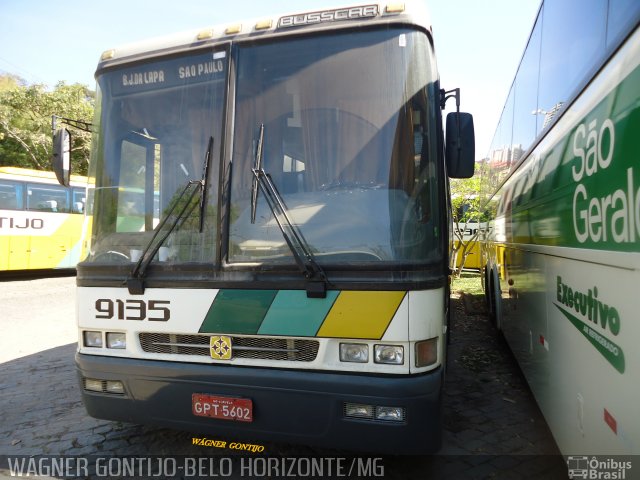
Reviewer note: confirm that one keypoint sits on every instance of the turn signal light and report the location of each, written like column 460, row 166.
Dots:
column 427, row 352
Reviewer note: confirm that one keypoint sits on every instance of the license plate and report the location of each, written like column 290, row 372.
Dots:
column 224, row 408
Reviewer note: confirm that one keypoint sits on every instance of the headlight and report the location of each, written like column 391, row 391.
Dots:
column 357, row 410
column 93, row 384
column 116, row 340
column 92, row 339
column 115, row 386
column 393, row 414
column 354, row 352
column 389, row 354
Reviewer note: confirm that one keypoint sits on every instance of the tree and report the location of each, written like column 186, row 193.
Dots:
column 465, row 206
column 25, row 122
column 8, row 81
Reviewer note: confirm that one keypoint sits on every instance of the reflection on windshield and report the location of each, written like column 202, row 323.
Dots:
column 155, row 125
column 349, row 144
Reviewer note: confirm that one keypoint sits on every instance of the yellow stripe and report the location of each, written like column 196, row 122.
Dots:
column 361, row 314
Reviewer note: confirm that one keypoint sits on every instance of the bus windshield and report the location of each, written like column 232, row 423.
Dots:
column 349, row 142
column 155, row 123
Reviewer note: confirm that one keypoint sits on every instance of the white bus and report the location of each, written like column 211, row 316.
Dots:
column 40, row 221
column 563, row 189
column 283, row 275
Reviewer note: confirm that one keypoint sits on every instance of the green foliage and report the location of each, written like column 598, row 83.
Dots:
column 466, row 198
column 466, row 207
column 10, row 81
column 25, row 122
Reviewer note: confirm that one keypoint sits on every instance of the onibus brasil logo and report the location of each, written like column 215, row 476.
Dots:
column 597, row 468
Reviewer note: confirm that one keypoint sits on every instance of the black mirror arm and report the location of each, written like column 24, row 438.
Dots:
column 70, row 122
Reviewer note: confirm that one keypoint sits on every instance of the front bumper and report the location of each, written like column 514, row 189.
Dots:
column 303, row 407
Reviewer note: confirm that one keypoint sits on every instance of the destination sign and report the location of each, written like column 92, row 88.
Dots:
column 170, row 73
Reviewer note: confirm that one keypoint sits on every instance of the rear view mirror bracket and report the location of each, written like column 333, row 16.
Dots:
column 61, row 159
column 460, row 138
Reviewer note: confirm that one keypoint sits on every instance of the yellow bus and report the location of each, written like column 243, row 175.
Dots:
column 40, row 220
column 468, row 233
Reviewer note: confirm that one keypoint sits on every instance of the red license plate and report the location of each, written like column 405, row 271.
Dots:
column 224, row 408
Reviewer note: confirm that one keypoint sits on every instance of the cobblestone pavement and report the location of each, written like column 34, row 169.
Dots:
column 493, row 429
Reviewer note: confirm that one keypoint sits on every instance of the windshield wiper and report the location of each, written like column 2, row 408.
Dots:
column 203, row 181
column 316, row 278
column 135, row 282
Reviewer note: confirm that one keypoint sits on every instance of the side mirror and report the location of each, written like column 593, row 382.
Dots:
column 460, row 148
column 62, row 156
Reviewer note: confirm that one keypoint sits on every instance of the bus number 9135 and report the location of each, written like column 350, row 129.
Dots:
column 157, row 310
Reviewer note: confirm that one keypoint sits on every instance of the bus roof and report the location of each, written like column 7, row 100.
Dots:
column 27, row 174
column 411, row 12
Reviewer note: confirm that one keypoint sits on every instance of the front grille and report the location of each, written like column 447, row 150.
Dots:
column 258, row 348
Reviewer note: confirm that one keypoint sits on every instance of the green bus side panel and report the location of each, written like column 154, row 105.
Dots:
column 584, row 192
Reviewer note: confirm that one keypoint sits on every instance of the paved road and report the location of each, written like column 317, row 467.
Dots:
column 493, row 428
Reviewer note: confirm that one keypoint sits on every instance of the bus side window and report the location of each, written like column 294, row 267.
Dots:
column 10, row 197
column 79, row 201
column 47, row 198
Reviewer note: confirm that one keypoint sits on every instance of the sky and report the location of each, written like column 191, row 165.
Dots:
column 478, row 43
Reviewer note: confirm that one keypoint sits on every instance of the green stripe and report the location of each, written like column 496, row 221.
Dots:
column 238, row 311
column 293, row 314
column 609, row 350
column 585, row 190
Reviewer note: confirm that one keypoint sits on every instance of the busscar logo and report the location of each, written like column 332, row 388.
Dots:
column 328, row 16
column 220, row 347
